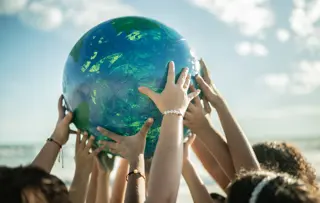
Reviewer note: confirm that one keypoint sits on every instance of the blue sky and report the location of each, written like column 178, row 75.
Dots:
column 263, row 56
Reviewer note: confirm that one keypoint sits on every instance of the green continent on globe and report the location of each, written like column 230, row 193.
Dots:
column 108, row 64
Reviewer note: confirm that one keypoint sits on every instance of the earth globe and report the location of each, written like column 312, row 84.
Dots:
column 107, row 65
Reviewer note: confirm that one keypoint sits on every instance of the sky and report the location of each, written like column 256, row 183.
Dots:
column 264, row 57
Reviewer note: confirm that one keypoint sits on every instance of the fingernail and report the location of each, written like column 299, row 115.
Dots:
column 198, row 90
column 99, row 128
column 150, row 119
column 92, row 137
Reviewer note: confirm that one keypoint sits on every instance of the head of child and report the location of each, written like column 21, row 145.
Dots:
column 285, row 158
column 31, row 185
column 266, row 187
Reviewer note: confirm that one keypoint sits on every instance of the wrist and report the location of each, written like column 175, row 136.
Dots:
column 57, row 139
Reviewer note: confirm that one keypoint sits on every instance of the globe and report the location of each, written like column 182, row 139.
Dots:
column 107, row 65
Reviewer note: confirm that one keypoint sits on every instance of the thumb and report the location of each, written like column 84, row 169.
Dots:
column 148, row 92
column 67, row 119
column 146, row 127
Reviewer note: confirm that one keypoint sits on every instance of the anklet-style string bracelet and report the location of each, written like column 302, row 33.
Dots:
column 135, row 172
column 60, row 151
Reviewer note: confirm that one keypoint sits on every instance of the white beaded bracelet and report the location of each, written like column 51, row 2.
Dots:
column 176, row 112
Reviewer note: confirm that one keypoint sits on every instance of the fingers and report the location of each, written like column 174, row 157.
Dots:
column 203, row 86
column 89, row 144
column 109, row 134
column 171, row 73
column 61, row 109
column 67, row 119
column 197, row 100
column 206, row 105
column 187, row 115
column 148, row 92
column 78, row 140
column 83, row 140
column 187, row 82
column 146, row 127
column 97, row 151
column 192, row 95
column 110, row 145
column 191, row 107
column 206, row 74
column 183, row 77
column 72, row 132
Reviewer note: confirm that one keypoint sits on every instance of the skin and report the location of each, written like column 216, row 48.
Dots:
column 84, row 162
column 120, row 184
column 166, row 168
column 132, row 149
column 49, row 152
column 198, row 190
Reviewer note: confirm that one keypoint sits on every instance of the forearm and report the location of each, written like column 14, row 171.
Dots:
column 241, row 151
column 102, row 188
column 47, row 156
column 210, row 163
column 218, row 148
column 92, row 191
column 136, row 186
column 120, row 183
column 167, row 161
column 78, row 188
column 197, row 189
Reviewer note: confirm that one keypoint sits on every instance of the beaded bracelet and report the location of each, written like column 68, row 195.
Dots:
column 52, row 140
column 176, row 112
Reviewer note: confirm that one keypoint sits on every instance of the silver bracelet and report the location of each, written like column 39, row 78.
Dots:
column 176, row 112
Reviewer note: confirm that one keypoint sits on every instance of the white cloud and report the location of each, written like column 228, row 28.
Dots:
column 283, row 35
column 252, row 17
column 304, row 22
column 12, row 6
column 50, row 14
column 248, row 48
column 304, row 80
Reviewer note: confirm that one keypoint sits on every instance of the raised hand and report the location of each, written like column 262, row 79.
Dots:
column 129, row 147
column 174, row 96
column 62, row 130
column 210, row 92
column 83, row 158
column 195, row 118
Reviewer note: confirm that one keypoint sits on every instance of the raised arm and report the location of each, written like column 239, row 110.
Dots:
column 198, row 190
column 49, row 152
column 210, row 164
column 120, row 184
column 166, row 165
column 241, row 151
column 132, row 149
column 84, row 162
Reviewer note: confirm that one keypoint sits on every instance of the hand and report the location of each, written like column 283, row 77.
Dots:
column 84, row 159
column 186, row 147
column 174, row 96
column 210, row 92
column 207, row 79
column 62, row 130
column 129, row 147
column 195, row 118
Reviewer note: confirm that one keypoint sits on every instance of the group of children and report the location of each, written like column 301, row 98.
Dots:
column 266, row 172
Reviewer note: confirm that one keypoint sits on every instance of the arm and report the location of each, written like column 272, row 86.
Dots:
column 136, row 186
column 210, row 164
column 164, row 178
column 49, row 152
column 120, row 183
column 240, row 148
column 198, row 191
column 102, row 186
column 91, row 196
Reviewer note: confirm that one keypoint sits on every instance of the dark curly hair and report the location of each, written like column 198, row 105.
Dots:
column 278, row 188
column 16, row 184
column 285, row 158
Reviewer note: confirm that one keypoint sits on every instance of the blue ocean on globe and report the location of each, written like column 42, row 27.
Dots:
column 107, row 65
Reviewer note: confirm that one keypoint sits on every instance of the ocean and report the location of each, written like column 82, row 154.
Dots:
column 20, row 154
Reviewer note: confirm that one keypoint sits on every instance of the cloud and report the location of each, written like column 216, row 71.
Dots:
column 304, row 80
column 304, row 22
column 283, row 35
column 12, row 6
column 252, row 17
column 248, row 48
column 50, row 14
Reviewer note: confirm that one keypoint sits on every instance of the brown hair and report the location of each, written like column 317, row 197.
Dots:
column 20, row 183
column 285, row 158
column 281, row 188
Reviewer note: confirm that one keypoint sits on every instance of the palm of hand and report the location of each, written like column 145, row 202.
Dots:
column 132, row 146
